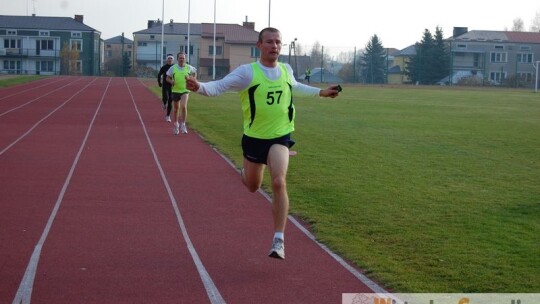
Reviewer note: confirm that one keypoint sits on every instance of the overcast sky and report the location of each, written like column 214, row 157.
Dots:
column 339, row 25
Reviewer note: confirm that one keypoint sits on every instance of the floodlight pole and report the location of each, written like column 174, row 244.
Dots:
column 214, row 55
column 188, row 33
column 536, row 66
column 269, row 9
column 162, row 28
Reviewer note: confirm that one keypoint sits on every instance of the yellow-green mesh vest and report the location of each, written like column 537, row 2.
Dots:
column 179, row 76
column 267, row 105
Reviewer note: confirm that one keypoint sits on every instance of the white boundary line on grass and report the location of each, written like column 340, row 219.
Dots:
column 368, row 282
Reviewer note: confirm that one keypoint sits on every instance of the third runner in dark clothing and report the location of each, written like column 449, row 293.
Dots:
column 166, row 88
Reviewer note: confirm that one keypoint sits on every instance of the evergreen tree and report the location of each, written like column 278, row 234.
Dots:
column 432, row 59
column 441, row 57
column 374, row 65
column 126, row 65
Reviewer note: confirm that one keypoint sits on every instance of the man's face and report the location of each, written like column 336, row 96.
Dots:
column 181, row 59
column 170, row 60
column 270, row 46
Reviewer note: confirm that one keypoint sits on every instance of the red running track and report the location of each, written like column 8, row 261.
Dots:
column 101, row 203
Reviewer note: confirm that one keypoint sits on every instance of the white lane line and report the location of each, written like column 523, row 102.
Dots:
column 33, row 88
column 47, row 116
column 41, row 96
column 211, row 289
column 368, row 282
column 24, row 293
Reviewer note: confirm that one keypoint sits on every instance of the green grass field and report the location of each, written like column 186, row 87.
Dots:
column 9, row 80
column 426, row 189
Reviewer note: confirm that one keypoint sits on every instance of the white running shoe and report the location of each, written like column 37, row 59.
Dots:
column 183, row 128
column 278, row 249
column 167, row 118
column 176, row 128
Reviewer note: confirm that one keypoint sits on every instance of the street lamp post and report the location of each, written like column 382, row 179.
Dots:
column 292, row 47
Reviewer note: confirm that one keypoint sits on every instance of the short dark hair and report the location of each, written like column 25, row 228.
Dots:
column 267, row 29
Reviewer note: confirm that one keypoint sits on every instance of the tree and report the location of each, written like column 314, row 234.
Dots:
column 69, row 58
column 535, row 23
column 374, row 67
column 432, row 59
column 518, row 26
column 114, row 66
column 440, row 61
column 126, row 65
column 316, row 54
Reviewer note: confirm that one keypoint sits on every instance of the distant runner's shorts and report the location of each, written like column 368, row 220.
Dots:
column 177, row 96
column 256, row 150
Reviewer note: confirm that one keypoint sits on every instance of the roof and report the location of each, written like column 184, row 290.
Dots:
column 118, row 40
column 499, row 36
column 408, row 51
column 173, row 29
column 231, row 33
column 43, row 23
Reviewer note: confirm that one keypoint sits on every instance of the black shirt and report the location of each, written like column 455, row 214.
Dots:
column 162, row 75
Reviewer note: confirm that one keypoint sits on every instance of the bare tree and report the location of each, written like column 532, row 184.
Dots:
column 535, row 23
column 68, row 60
column 518, row 26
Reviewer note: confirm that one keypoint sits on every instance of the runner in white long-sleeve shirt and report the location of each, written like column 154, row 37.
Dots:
column 266, row 90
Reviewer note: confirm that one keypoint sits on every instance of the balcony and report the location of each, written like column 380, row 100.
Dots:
column 26, row 52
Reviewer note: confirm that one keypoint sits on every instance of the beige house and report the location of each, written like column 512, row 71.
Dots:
column 113, row 48
column 234, row 45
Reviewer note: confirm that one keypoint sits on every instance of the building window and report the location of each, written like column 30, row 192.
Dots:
column 44, row 33
column 140, row 43
column 108, row 53
column 45, row 66
column 12, row 43
column 497, row 77
column 219, row 50
column 11, row 32
column 12, row 66
column 498, row 57
column 76, row 34
column 524, row 57
column 525, row 48
column 183, row 49
column 476, row 60
column 526, row 77
column 77, row 66
column 152, row 37
column 76, row 44
column 255, row 52
column 47, row 45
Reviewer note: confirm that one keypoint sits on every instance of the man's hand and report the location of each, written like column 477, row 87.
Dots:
column 159, row 83
column 331, row 91
column 192, row 84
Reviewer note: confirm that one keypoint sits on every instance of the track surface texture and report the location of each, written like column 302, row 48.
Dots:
column 101, row 203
